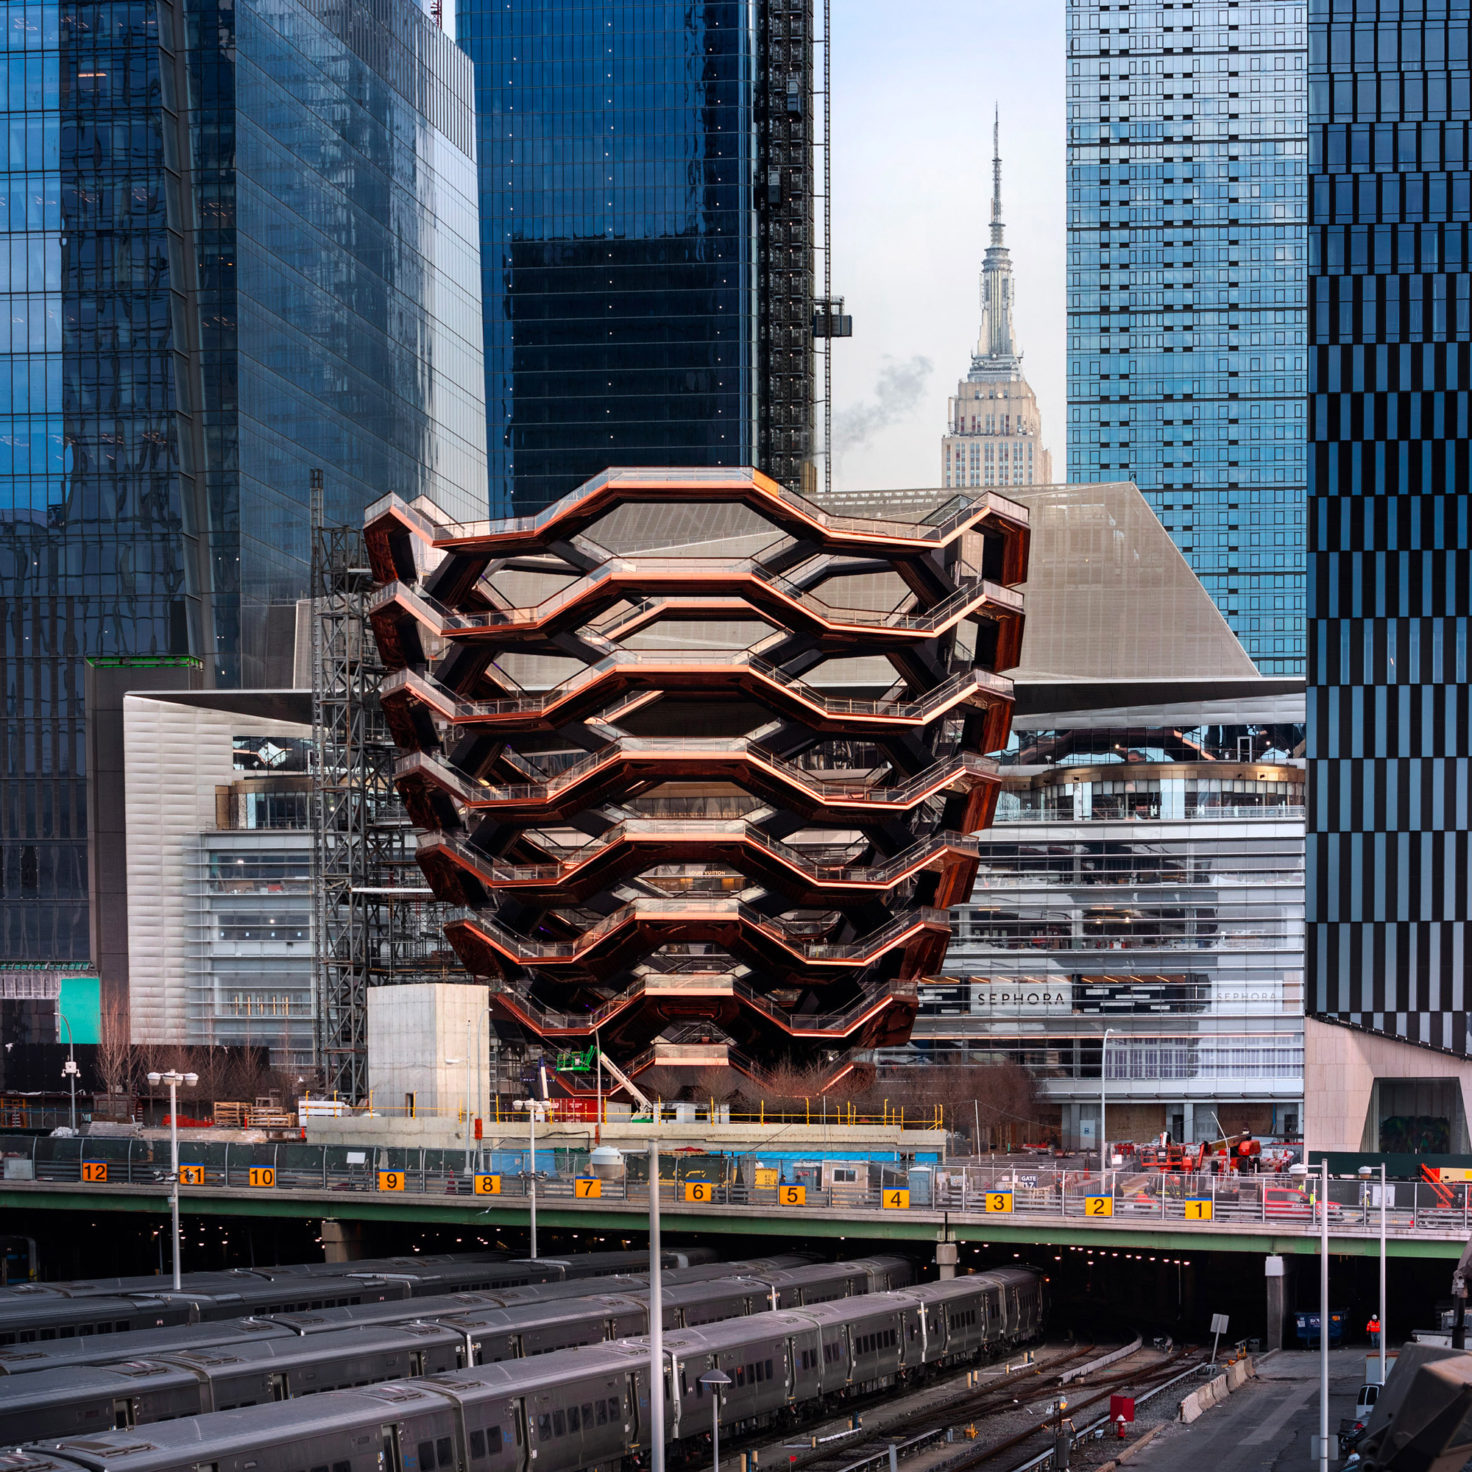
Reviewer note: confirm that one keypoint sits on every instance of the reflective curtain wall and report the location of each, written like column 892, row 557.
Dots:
column 1186, row 289
column 618, row 237
column 237, row 242
column 1390, row 752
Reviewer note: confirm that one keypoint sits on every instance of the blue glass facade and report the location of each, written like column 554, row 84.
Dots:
column 239, row 242
column 619, row 236
column 1187, row 289
column 1390, row 516
column 339, row 308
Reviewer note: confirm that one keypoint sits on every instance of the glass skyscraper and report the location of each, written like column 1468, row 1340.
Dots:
column 1187, row 288
column 646, row 236
column 1390, row 527
column 240, row 243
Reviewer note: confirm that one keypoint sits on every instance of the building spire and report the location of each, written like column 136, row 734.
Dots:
column 996, row 351
column 997, row 177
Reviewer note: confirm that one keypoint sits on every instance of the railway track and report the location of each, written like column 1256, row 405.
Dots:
column 966, row 1413
column 856, row 1450
column 1141, row 1383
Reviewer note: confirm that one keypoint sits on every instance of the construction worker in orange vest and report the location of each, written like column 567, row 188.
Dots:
column 1373, row 1330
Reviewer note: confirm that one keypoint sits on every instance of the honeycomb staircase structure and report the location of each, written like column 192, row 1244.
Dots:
column 692, row 757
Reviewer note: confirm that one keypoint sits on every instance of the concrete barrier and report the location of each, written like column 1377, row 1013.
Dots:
column 1215, row 1391
column 1078, row 1371
column 1129, row 1453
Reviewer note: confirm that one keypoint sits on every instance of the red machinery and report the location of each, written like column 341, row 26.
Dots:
column 1239, row 1153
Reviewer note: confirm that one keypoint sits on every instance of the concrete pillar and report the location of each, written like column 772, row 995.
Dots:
column 1276, row 1276
column 946, row 1254
column 1188, row 1123
column 341, row 1241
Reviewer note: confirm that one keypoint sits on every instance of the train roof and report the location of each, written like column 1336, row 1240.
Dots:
column 33, row 1461
column 727, row 1333
column 42, row 1312
column 22, row 1359
column 517, row 1377
column 528, row 1314
column 164, row 1444
column 220, row 1281
column 51, row 1387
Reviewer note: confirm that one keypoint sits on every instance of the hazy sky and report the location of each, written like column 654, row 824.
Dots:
column 913, row 91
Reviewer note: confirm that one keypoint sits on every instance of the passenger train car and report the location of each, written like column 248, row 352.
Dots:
column 256, row 1369
column 41, row 1311
column 583, row 1409
column 55, row 1351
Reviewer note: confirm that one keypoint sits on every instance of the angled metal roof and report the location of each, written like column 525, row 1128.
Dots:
column 1108, row 598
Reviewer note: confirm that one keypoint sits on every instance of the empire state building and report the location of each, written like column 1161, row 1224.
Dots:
column 995, row 432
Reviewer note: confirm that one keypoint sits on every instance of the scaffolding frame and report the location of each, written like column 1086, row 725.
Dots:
column 376, row 922
column 787, row 195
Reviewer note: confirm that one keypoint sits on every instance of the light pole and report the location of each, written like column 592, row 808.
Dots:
column 173, row 1079
column 69, row 1068
column 1324, row 1315
column 713, row 1380
column 1103, row 1085
column 656, row 1319
column 535, row 1109
column 1382, row 1273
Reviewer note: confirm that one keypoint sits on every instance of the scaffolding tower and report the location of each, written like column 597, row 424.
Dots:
column 785, row 123
column 376, row 920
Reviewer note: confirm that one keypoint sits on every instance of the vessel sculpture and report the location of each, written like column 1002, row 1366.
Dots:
column 696, row 762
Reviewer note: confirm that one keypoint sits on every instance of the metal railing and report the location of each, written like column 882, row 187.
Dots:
column 930, row 532
column 1282, row 1205
column 785, row 935
column 497, row 871
column 950, row 692
column 710, row 983
column 923, row 784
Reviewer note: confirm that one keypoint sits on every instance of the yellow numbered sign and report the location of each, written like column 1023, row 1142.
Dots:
column 896, row 1200
column 1198, row 1211
column 488, row 1185
column 792, row 1195
column 587, row 1187
column 999, row 1201
column 94, row 1171
column 263, row 1177
column 390, row 1180
column 191, row 1175
column 701, row 1191
column 1098, row 1205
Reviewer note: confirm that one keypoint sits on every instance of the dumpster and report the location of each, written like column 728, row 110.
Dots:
column 1307, row 1324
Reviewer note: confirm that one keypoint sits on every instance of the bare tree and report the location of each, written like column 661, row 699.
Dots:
column 994, row 1104
column 114, row 1049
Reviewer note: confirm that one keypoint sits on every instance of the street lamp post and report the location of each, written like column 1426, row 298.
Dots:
column 173, row 1079
column 1103, row 1086
column 69, row 1068
column 535, row 1109
column 713, row 1380
column 1324, row 1315
column 1382, row 1273
column 656, row 1319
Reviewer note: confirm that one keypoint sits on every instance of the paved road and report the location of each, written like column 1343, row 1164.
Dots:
column 1268, row 1425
